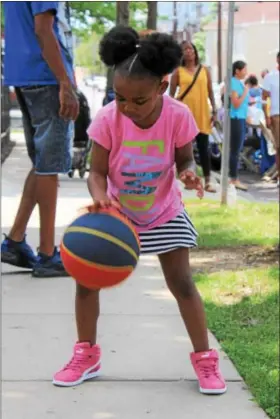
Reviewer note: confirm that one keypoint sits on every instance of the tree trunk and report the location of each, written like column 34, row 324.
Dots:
column 122, row 18
column 123, row 13
column 152, row 15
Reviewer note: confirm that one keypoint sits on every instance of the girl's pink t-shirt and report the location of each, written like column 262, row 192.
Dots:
column 142, row 174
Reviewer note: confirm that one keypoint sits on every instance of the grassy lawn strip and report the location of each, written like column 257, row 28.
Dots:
column 245, row 224
column 242, row 302
column 243, row 313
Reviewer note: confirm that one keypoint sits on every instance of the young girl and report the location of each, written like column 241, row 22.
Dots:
column 138, row 140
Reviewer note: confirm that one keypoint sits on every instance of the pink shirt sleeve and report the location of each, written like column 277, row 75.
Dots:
column 186, row 128
column 99, row 130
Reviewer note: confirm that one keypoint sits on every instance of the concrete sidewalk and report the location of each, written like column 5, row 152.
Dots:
column 146, row 370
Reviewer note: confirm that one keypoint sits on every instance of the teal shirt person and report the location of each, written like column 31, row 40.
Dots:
column 241, row 112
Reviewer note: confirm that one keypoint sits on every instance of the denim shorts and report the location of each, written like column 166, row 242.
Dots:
column 48, row 137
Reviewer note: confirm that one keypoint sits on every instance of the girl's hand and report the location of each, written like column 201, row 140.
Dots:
column 214, row 118
column 192, row 181
column 105, row 203
column 100, row 204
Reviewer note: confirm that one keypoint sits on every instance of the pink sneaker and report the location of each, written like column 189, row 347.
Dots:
column 84, row 365
column 206, row 366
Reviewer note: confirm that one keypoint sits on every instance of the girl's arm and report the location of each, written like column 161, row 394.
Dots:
column 174, row 83
column 184, row 159
column 186, row 169
column 97, row 180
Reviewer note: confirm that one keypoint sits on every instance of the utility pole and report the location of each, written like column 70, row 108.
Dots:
column 175, row 20
column 226, row 140
column 219, row 42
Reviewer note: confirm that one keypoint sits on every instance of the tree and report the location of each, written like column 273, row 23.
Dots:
column 87, row 56
column 152, row 15
column 97, row 16
column 2, row 18
column 199, row 38
column 88, row 17
column 122, row 13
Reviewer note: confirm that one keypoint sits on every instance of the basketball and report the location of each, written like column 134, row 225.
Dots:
column 100, row 249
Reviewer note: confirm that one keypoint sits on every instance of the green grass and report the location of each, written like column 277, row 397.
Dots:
column 243, row 313
column 243, row 306
column 245, row 224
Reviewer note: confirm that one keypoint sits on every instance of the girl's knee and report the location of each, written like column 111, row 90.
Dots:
column 83, row 292
column 182, row 286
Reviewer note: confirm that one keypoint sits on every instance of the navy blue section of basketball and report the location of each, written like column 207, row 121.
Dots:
column 92, row 248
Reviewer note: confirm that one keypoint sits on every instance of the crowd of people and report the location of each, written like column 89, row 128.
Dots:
column 248, row 108
column 138, row 139
column 191, row 84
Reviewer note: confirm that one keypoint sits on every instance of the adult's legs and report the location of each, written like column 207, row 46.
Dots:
column 235, row 146
column 202, row 141
column 51, row 151
column 46, row 194
column 41, row 190
column 48, row 139
column 26, row 207
column 237, row 138
column 28, row 199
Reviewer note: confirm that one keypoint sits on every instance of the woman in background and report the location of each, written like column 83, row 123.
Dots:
column 238, row 115
column 195, row 78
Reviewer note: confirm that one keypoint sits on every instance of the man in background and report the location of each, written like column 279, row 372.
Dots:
column 271, row 90
column 39, row 64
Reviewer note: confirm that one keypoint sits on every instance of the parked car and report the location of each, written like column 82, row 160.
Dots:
column 96, row 82
column 100, row 83
column 88, row 81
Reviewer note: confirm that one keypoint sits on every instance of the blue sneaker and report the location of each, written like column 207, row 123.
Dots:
column 49, row 266
column 17, row 254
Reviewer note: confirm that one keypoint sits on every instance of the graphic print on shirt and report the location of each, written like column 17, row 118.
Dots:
column 140, row 176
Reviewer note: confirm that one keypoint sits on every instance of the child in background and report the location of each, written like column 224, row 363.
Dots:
column 255, row 91
column 138, row 140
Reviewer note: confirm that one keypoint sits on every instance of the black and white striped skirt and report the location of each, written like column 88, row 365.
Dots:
column 179, row 232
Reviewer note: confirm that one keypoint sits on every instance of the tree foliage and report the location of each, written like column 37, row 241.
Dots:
column 87, row 56
column 89, row 16
column 199, row 38
column 2, row 17
column 91, row 19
